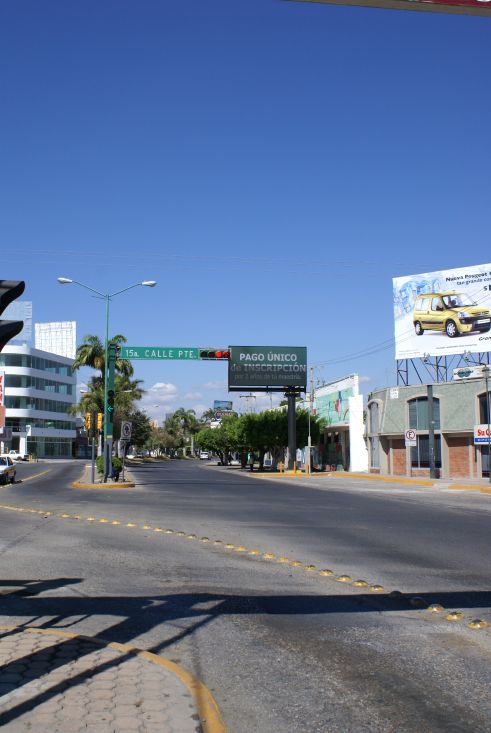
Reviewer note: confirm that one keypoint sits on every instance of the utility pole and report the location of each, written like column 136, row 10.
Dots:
column 431, row 432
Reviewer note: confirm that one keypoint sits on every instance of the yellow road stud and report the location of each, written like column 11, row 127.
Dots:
column 377, row 589
column 343, row 579
column 360, row 583
column 310, row 568
column 454, row 616
column 477, row 623
column 435, row 608
column 326, row 572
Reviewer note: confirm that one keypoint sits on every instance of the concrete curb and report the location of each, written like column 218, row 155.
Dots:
column 483, row 489
column 208, row 711
column 84, row 484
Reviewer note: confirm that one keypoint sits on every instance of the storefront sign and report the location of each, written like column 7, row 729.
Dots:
column 481, row 434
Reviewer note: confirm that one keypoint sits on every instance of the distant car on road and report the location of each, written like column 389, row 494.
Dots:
column 204, row 455
column 16, row 456
column 7, row 470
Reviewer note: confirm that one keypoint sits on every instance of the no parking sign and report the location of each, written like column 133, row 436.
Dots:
column 410, row 436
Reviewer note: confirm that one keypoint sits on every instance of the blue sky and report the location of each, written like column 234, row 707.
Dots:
column 271, row 164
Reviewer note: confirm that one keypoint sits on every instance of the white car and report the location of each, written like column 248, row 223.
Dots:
column 7, row 470
column 16, row 456
column 204, row 455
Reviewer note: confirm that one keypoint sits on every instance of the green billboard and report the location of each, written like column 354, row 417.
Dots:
column 267, row 368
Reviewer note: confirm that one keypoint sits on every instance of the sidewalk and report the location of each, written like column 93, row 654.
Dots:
column 85, row 480
column 54, row 681
column 482, row 485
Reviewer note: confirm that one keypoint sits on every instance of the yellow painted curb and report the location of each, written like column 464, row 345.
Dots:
column 121, row 485
column 347, row 474
column 210, row 717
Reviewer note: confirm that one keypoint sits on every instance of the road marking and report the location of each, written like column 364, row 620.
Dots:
column 209, row 713
column 36, row 475
column 373, row 588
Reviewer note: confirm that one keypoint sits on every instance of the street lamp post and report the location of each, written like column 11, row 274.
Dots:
column 485, row 371
column 107, row 297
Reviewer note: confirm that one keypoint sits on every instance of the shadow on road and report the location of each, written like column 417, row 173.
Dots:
column 141, row 614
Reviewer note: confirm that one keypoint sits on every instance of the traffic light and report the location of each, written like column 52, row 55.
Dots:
column 214, row 354
column 110, row 401
column 9, row 291
column 99, row 421
column 88, row 421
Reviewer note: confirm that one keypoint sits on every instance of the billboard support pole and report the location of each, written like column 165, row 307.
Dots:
column 431, row 432
column 292, row 428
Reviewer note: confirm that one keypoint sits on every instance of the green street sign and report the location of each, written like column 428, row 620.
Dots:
column 159, row 352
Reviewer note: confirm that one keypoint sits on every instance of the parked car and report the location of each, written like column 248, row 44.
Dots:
column 451, row 312
column 7, row 470
column 16, row 456
column 204, row 455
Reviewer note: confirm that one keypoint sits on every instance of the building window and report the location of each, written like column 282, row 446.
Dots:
column 418, row 413
column 420, row 453
column 483, row 409
column 374, row 417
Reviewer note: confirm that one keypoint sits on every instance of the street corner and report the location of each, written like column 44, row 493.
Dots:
column 61, row 681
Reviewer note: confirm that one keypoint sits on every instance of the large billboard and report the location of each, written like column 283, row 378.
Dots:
column 222, row 405
column 463, row 7
column 267, row 368
column 443, row 313
column 332, row 401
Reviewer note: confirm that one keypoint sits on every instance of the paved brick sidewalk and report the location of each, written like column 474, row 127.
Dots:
column 67, row 685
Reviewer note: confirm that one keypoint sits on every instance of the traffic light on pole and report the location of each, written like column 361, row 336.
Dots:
column 9, row 291
column 214, row 354
column 110, row 402
column 99, row 421
column 88, row 421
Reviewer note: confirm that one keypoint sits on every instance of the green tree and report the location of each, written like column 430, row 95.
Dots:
column 141, row 428
column 183, row 425
column 91, row 353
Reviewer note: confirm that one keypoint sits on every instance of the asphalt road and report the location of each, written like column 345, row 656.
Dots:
column 283, row 648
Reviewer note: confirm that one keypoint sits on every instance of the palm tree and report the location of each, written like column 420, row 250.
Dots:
column 183, row 423
column 91, row 353
column 208, row 416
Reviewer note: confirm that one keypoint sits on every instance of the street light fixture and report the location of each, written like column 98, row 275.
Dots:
column 107, row 297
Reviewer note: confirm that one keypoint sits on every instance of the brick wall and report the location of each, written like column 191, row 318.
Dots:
column 458, row 457
column 398, row 458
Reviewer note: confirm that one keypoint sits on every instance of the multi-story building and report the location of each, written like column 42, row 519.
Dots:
column 460, row 411
column 39, row 390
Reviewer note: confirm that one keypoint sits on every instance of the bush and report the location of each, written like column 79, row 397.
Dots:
column 99, row 462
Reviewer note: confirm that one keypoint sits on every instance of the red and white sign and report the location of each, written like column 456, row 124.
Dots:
column 465, row 7
column 481, row 434
column 410, row 436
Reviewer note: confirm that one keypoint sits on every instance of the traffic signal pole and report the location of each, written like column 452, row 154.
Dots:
column 109, row 412
column 292, row 428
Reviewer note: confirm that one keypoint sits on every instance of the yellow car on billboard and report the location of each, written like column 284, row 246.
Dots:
column 451, row 312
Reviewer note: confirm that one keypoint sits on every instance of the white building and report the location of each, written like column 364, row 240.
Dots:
column 39, row 390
